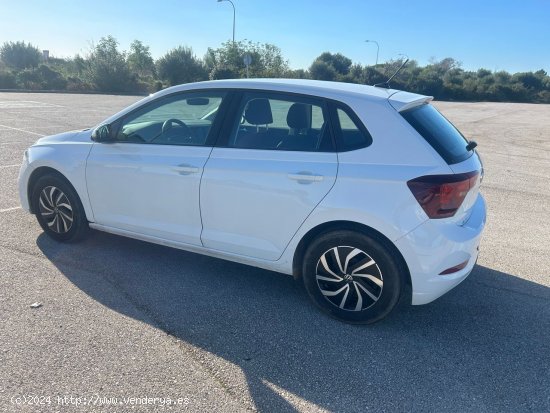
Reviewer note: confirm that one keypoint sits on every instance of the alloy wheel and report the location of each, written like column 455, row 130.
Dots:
column 56, row 210
column 349, row 278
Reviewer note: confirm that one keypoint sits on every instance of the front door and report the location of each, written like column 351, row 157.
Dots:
column 147, row 180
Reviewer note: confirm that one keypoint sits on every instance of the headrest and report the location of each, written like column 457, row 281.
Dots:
column 258, row 112
column 298, row 116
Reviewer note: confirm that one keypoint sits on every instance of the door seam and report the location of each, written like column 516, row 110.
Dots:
column 200, row 189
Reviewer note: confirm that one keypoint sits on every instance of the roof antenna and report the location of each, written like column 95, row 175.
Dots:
column 386, row 84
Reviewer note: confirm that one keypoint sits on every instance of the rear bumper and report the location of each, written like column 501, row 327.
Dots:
column 437, row 245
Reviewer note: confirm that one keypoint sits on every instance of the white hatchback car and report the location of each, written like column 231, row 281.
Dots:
column 358, row 190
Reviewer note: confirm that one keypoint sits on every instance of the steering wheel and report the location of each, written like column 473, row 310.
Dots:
column 167, row 125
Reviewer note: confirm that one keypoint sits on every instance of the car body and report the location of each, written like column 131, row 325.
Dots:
column 258, row 171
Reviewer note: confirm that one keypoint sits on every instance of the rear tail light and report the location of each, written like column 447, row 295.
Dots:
column 441, row 195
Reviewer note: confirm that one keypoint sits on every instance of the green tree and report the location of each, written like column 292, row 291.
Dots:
column 297, row 74
column 372, row 75
column 140, row 60
column 20, row 55
column 107, row 67
column 329, row 66
column 320, row 70
column 530, row 80
column 77, row 65
column 7, row 80
column 430, row 81
column 444, row 65
column 340, row 63
column 356, row 74
column 180, row 65
column 227, row 61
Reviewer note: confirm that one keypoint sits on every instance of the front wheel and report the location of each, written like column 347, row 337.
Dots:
column 352, row 276
column 58, row 209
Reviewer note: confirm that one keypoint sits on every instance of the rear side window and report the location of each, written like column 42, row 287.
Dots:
column 351, row 134
column 439, row 132
column 277, row 121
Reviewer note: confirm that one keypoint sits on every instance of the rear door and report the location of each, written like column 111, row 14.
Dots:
column 274, row 163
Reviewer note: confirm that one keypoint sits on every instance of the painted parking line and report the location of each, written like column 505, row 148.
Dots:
column 9, row 209
column 22, row 130
column 10, row 166
column 15, row 143
column 26, row 104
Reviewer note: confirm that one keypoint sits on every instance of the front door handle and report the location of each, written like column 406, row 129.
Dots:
column 186, row 169
column 305, row 177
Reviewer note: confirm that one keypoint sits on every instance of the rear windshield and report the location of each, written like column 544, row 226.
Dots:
column 439, row 132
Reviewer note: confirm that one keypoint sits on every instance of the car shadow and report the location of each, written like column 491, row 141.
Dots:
column 483, row 346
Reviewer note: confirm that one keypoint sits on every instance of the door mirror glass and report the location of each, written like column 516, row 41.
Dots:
column 102, row 133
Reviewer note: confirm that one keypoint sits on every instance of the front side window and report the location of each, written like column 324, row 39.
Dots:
column 180, row 119
column 281, row 122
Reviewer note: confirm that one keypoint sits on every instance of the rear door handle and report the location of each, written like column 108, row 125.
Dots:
column 186, row 169
column 305, row 177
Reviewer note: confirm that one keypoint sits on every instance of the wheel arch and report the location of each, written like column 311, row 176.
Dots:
column 331, row 226
column 39, row 173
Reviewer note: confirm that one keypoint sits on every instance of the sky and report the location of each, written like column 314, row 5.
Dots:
column 511, row 35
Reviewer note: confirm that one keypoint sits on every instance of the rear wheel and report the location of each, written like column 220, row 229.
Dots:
column 58, row 209
column 352, row 276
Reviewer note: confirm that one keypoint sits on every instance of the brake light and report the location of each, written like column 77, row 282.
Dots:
column 441, row 195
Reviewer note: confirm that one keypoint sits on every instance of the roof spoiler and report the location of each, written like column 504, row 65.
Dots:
column 402, row 101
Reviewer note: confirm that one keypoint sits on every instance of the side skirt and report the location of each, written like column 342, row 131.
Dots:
column 277, row 266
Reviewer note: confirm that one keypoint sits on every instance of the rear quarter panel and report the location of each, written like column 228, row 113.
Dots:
column 372, row 181
column 371, row 185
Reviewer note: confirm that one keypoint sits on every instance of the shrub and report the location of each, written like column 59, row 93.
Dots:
column 180, row 65
column 7, row 80
column 107, row 68
column 20, row 55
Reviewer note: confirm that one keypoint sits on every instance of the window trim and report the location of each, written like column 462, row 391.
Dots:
column 212, row 133
column 231, row 116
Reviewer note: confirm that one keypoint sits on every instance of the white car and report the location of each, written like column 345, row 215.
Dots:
column 357, row 190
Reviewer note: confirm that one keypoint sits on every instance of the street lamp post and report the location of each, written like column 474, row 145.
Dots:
column 368, row 41
column 219, row 1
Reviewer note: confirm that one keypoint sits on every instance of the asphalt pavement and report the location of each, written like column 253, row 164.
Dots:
column 118, row 319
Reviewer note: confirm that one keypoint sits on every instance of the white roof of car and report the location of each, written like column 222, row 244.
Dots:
column 332, row 90
column 399, row 99
column 313, row 87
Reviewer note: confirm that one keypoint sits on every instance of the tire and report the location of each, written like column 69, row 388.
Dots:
column 58, row 209
column 352, row 276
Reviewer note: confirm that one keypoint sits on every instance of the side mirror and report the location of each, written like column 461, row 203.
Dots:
column 103, row 133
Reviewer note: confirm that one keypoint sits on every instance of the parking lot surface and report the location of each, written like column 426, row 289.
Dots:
column 120, row 318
